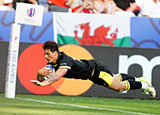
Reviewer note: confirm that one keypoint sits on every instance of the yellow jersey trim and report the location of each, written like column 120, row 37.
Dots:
column 65, row 67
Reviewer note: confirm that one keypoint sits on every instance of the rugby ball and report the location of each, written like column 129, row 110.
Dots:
column 42, row 78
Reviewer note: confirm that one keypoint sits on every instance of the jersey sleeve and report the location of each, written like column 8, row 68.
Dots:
column 65, row 64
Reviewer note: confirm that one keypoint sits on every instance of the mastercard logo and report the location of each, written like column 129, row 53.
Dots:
column 32, row 59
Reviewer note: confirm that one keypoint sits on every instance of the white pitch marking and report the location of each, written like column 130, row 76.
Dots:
column 83, row 106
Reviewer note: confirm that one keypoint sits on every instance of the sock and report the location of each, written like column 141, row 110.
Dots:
column 131, row 84
column 144, row 85
column 136, row 79
column 126, row 77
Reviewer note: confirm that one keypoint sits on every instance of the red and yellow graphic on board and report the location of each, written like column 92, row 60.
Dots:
column 32, row 59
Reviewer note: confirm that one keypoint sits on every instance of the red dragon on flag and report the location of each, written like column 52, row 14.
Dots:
column 99, row 36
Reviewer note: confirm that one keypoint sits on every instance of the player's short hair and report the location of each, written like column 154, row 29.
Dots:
column 52, row 45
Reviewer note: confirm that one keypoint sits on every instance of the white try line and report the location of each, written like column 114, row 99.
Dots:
column 83, row 106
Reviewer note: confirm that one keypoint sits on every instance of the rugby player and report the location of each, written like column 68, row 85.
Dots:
column 94, row 70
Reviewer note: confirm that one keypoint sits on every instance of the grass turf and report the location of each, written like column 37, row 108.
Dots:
column 26, row 104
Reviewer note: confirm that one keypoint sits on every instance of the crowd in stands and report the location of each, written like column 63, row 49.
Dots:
column 146, row 8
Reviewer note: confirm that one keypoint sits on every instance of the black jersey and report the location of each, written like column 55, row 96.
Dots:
column 79, row 69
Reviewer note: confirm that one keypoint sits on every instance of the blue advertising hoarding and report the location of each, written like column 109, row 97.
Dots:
column 145, row 32
column 31, row 34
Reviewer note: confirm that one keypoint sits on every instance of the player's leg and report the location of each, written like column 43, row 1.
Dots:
column 130, row 81
column 137, row 83
column 119, row 82
column 115, row 82
column 108, row 80
column 149, row 89
column 119, row 85
column 124, row 77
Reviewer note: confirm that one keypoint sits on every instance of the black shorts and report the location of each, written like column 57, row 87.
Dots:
column 102, row 75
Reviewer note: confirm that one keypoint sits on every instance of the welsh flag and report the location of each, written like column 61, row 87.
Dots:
column 91, row 29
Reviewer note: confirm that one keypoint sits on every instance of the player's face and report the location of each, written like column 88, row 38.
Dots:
column 51, row 57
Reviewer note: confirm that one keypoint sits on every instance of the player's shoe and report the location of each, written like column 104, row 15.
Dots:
column 150, row 89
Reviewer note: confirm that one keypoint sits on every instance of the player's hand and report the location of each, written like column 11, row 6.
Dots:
column 36, row 82
column 44, row 71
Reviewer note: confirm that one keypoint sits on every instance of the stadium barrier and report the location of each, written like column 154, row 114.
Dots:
column 144, row 32
column 135, row 61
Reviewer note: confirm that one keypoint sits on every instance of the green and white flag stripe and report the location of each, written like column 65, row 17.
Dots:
column 91, row 29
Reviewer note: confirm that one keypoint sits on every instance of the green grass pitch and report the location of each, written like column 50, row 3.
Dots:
column 25, row 104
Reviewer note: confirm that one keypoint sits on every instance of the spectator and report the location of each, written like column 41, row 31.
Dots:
column 150, row 8
column 73, row 3
column 6, row 5
column 58, row 5
column 106, row 6
column 24, row 1
column 127, row 5
column 86, row 7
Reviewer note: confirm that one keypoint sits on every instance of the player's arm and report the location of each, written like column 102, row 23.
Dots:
column 44, row 71
column 53, row 78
